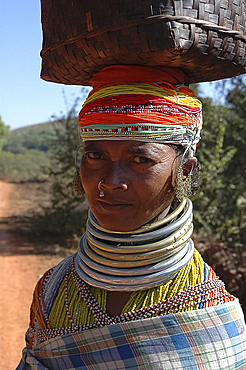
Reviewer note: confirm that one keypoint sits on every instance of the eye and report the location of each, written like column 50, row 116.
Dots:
column 94, row 155
column 139, row 159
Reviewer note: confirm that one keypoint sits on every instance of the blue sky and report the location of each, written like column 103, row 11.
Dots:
column 24, row 98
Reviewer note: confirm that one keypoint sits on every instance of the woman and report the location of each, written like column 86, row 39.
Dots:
column 136, row 295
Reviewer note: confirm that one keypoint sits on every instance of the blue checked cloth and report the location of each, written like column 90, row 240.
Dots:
column 210, row 338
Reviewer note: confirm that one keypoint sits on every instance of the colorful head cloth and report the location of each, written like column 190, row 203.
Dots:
column 133, row 102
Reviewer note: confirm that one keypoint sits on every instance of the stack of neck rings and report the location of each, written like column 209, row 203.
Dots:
column 130, row 261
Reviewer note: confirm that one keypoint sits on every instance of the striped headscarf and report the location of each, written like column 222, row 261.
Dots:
column 133, row 102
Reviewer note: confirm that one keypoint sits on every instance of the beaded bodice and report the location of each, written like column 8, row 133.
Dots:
column 78, row 306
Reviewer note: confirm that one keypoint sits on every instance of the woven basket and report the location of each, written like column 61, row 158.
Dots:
column 204, row 38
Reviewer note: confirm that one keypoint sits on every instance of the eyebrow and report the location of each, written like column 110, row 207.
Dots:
column 130, row 150
column 139, row 151
column 91, row 146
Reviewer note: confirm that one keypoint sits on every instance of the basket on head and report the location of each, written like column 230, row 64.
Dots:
column 204, row 38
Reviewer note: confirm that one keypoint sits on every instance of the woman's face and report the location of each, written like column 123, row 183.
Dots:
column 137, row 179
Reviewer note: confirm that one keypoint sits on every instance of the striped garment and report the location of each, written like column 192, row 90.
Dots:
column 210, row 338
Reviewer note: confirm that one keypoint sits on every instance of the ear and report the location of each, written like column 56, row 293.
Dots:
column 189, row 165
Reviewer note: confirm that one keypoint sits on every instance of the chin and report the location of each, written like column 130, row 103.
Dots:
column 121, row 225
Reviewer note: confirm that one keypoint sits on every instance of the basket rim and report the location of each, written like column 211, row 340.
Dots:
column 160, row 18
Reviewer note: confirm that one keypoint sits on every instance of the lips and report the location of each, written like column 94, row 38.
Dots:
column 114, row 206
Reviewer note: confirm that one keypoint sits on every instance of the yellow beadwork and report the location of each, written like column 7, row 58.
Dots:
column 58, row 317
column 181, row 97
column 190, row 275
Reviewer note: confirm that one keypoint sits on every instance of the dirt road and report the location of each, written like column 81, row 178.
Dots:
column 19, row 270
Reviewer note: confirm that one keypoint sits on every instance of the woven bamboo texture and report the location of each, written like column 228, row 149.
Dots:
column 204, row 38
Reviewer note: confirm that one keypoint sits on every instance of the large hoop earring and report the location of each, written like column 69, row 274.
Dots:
column 77, row 185
column 182, row 184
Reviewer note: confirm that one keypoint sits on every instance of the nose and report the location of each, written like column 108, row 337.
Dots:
column 115, row 178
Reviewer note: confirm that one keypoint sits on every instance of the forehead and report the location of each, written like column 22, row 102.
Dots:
column 127, row 146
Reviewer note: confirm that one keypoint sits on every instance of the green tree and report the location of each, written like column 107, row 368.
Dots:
column 3, row 132
column 68, row 211
column 235, row 174
column 215, row 157
column 220, row 205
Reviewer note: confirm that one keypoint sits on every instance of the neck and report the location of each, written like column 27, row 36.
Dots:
column 162, row 215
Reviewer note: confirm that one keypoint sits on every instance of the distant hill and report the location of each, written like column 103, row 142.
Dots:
column 25, row 156
column 35, row 137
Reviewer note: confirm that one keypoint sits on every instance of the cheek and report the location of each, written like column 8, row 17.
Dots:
column 159, row 188
column 162, row 189
column 160, row 179
column 88, row 178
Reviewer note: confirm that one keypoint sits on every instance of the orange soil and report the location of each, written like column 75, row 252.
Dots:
column 19, row 272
